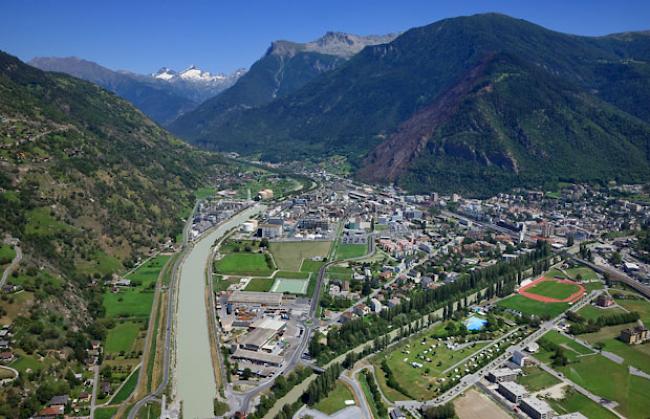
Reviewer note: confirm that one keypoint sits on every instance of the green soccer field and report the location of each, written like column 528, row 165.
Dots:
column 554, row 289
column 242, row 264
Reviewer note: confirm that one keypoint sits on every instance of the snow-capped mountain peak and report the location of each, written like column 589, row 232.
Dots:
column 196, row 74
column 164, row 74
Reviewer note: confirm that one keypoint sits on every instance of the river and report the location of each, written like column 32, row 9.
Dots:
column 195, row 383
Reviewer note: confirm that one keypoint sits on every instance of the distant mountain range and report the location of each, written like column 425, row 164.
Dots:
column 285, row 68
column 163, row 96
column 473, row 104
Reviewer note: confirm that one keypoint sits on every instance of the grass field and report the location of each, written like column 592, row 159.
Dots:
column 147, row 274
column 136, row 301
column 335, row 400
column 289, row 255
column 350, row 251
column 243, row 264
column 536, row 379
column 586, row 274
column 576, row 402
column 635, row 355
column 574, row 350
column 122, row 337
column 291, row 275
column 591, row 312
column 631, row 392
column 259, row 285
column 105, row 412
column 532, row 307
column 126, row 389
column 221, row 284
column 553, row 289
column 128, row 303
column 311, row 266
column 7, row 254
column 641, row 306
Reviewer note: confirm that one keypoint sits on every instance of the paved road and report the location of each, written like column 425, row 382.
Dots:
column 93, row 400
column 359, row 396
column 12, row 266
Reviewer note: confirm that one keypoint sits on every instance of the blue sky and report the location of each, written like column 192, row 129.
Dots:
column 217, row 35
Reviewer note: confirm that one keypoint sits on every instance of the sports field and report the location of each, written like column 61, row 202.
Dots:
column 291, row 286
column 289, row 255
column 243, row 264
column 552, row 290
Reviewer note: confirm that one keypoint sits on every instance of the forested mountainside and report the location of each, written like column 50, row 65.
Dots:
column 473, row 104
column 88, row 185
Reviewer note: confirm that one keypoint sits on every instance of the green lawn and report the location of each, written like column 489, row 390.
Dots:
column 147, row 274
column 576, row 402
column 259, row 284
column 243, row 264
column 340, row 272
column 573, row 348
column 641, row 306
column 554, row 289
column 126, row 389
column 611, row 381
column 7, row 254
column 311, row 266
column 128, row 303
column 533, row 307
column 586, row 274
column 536, row 379
column 335, row 400
column 593, row 285
column 122, row 337
column 105, row 412
column 289, row 255
column 25, row 362
column 635, row 355
column 350, row 251
column 593, row 312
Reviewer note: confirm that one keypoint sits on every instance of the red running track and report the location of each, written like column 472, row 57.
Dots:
column 570, row 299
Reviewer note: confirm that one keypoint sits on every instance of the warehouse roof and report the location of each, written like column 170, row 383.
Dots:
column 251, row 297
column 254, row 356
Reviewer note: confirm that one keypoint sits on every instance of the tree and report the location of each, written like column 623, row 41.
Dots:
column 246, row 374
column 446, row 411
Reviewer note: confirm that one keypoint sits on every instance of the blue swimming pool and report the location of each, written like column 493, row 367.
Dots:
column 475, row 323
